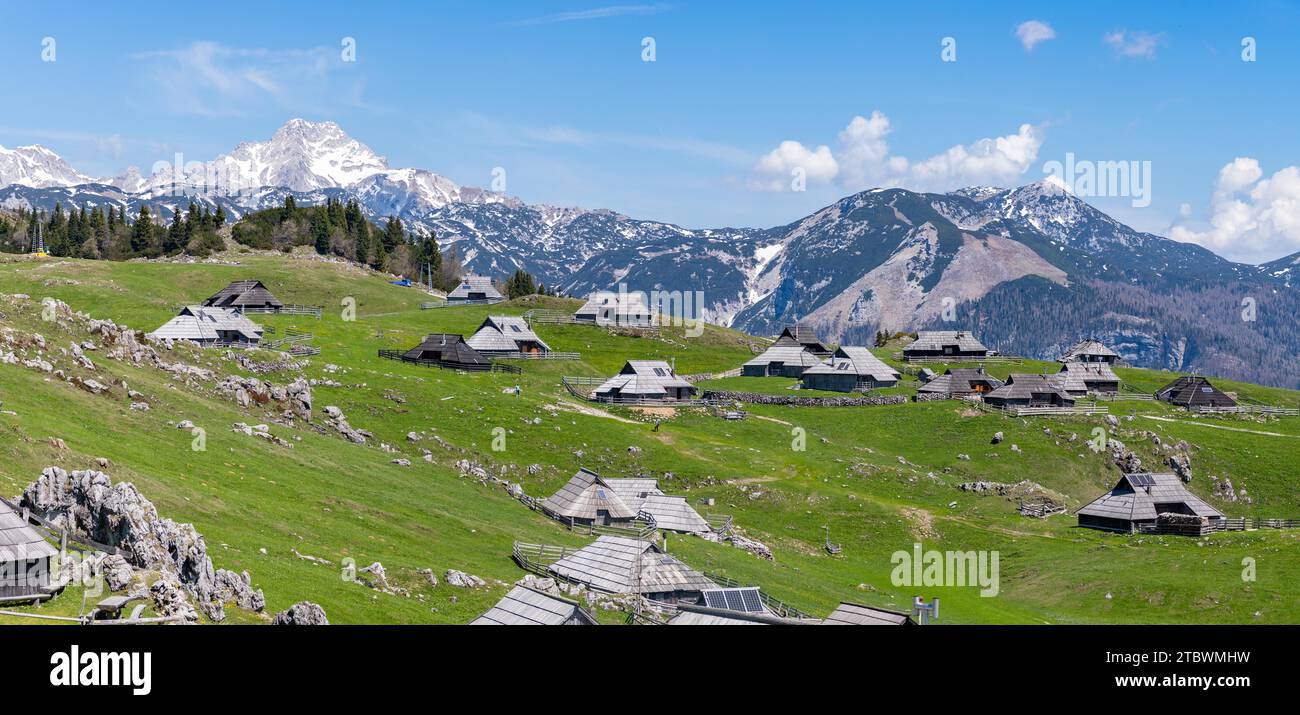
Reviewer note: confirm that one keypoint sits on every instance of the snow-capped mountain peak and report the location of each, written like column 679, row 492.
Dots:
column 37, row 167
column 302, row 156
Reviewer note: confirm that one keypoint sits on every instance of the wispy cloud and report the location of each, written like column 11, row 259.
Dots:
column 502, row 133
column 214, row 80
column 1032, row 32
column 1138, row 43
column 598, row 13
column 110, row 144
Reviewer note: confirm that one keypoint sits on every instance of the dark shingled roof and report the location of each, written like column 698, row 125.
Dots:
column 1194, row 391
column 802, row 336
column 446, row 347
column 244, row 294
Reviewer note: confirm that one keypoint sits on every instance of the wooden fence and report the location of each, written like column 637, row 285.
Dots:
column 536, row 557
column 441, row 364
column 550, row 355
column 1247, row 410
column 454, row 303
column 291, row 336
column 312, row 310
column 1240, row 523
column 1041, row 411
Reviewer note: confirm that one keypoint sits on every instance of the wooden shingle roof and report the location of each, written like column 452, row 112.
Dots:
column 1088, row 348
column 803, row 336
column 503, row 333
column 618, row 564
column 451, row 346
column 959, row 380
column 475, row 284
column 1024, row 387
column 1193, row 390
column 615, row 306
column 935, row 340
column 786, row 354
column 645, row 378
column 1135, row 496
column 855, row 614
column 671, row 513
column 585, row 494
column 524, row 606
column 244, row 294
column 857, row 361
column 1075, row 376
column 18, row 540
column 203, row 323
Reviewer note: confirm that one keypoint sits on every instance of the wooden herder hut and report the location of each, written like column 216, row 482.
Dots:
column 1090, row 351
column 25, row 559
column 780, row 361
column 249, row 296
column 588, row 499
column 524, row 606
column 960, row 382
column 506, row 334
column 617, row 308
column 447, row 349
column 951, row 345
column 1140, row 499
column 209, row 326
column 850, row 368
column 475, row 289
column 805, row 337
column 671, row 513
column 645, row 380
column 1029, row 391
column 1087, row 378
column 618, row 564
column 1194, row 391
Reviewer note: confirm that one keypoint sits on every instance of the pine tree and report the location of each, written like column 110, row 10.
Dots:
column 142, row 233
column 320, row 232
column 394, row 234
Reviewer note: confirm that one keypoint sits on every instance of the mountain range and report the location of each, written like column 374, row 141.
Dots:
column 1032, row 269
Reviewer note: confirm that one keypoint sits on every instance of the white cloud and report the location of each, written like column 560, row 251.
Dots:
column 1133, row 44
column 210, row 79
column 1253, row 219
column 775, row 169
column 1032, row 32
column 863, row 160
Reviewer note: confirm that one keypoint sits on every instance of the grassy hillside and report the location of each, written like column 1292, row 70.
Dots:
column 880, row 478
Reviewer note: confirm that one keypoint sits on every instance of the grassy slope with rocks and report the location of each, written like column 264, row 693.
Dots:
column 879, row 477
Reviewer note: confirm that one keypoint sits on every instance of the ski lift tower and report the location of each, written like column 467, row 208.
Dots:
column 38, row 242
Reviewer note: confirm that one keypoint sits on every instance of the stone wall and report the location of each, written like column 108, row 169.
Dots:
column 755, row 398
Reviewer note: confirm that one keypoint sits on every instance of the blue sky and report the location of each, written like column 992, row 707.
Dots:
column 558, row 94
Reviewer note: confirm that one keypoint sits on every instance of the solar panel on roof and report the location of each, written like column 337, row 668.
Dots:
column 745, row 600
